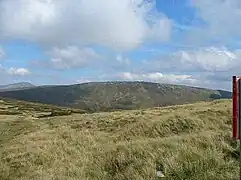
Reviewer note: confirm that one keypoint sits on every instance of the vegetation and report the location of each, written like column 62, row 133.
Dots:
column 190, row 141
column 16, row 86
column 14, row 107
column 110, row 96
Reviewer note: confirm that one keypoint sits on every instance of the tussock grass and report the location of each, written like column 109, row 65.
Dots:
column 14, row 107
column 185, row 142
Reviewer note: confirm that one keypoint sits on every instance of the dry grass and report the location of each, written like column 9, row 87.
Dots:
column 185, row 142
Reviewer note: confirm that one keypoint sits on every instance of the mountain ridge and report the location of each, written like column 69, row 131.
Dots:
column 16, row 86
column 115, row 95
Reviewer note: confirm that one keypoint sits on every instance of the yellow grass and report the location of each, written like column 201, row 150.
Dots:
column 184, row 142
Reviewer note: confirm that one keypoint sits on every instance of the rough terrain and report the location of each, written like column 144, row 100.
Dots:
column 184, row 142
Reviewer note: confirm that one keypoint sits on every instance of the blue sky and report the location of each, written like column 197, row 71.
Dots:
column 187, row 42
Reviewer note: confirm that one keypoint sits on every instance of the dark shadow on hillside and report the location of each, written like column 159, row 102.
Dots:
column 222, row 95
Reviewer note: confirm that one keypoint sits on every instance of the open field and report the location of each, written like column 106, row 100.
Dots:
column 184, row 142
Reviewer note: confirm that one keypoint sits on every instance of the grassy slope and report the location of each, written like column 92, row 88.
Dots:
column 116, row 95
column 185, row 142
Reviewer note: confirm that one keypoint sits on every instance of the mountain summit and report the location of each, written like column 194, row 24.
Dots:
column 108, row 96
column 16, row 86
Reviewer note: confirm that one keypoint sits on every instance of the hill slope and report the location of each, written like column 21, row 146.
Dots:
column 16, row 86
column 116, row 95
column 184, row 142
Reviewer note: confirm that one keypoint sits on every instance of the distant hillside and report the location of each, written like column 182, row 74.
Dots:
column 107, row 96
column 16, row 86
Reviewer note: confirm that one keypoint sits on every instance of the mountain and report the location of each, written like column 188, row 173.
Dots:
column 108, row 96
column 183, row 142
column 16, row 86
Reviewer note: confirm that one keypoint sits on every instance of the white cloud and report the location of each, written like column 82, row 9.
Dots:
column 120, row 59
column 82, row 80
column 162, row 29
column 221, row 20
column 158, row 77
column 205, row 67
column 117, row 63
column 118, row 24
column 72, row 57
column 210, row 67
column 1, row 68
column 2, row 53
column 209, row 59
column 18, row 71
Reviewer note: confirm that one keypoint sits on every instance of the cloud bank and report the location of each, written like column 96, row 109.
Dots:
column 123, row 25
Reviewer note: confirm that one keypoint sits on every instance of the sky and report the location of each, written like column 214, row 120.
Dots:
column 189, row 42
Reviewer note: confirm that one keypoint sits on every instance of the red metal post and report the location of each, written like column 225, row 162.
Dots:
column 235, row 109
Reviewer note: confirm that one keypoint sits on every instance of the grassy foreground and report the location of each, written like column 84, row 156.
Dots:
column 184, row 142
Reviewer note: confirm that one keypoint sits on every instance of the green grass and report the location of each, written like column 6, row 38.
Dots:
column 185, row 142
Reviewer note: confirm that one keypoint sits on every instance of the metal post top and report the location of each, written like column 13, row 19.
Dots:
column 238, row 77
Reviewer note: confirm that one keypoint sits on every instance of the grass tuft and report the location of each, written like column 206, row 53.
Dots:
column 184, row 142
